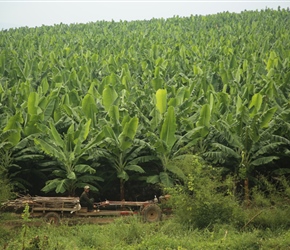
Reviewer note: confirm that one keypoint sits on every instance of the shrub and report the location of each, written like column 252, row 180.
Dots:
column 204, row 199
column 5, row 190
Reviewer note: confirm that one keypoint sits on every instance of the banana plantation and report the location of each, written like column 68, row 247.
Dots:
column 118, row 105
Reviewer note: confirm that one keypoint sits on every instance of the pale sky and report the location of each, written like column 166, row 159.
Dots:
column 37, row 13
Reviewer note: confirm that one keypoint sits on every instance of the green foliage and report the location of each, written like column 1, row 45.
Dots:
column 6, row 189
column 272, row 218
column 271, row 193
column 205, row 200
column 161, row 100
column 272, row 199
column 69, row 150
column 120, row 149
column 213, row 85
column 130, row 233
column 25, row 216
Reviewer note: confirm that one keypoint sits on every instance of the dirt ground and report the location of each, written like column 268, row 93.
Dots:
column 16, row 221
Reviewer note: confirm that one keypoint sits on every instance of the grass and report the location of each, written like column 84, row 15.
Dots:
column 131, row 233
column 206, row 220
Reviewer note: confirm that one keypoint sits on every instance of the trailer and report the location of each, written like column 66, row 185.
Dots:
column 53, row 209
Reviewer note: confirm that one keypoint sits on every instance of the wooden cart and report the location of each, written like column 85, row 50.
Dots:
column 53, row 209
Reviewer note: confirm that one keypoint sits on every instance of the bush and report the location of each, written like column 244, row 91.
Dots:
column 273, row 219
column 5, row 190
column 268, row 193
column 270, row 207
column 204, row 200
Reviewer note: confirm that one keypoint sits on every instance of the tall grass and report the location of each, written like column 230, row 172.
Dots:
column 131, row 234
column 205, row 216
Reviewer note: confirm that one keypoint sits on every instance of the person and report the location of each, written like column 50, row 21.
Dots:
column 85, row 199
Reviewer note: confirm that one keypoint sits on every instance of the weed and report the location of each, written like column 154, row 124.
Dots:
column 25, row 217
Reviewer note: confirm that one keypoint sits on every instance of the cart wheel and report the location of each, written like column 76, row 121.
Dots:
column 152, row 213
column 52, row 218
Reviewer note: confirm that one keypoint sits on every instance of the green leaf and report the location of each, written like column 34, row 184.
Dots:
column 49, row 109
column 135, row 168
column 130, row 128
column 156, row 118
column 32, row 104
column 157, row 83
column 55, row 135
column 153, row 179
column 5, row 146
column 123, row 175
column 23, row 143
column 83, row 168
column 267, row 116
column 109, row 133
column 238, row 104
column 271, row 147
column 175, row 170
column 26, row 70
column 71, row 175
column 14, row 122
column 224, row 76
column 74, row 98
column 226, row 150
column 84, row 131
column 161, row 100
column 61, row 187
column 114, row 116
column 165, row 179
column 128, row 133
column 264, row 160
column 204, row 116
column 89, row 106
column 224, row 101
column 49, row 149
column 50, row 185
column 168, row 129
column 45, row 85
column 109, row 96
column 211, row 102
column 256, row 102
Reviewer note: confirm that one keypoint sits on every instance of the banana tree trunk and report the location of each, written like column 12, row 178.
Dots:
column 122, row 190
column 247, row 193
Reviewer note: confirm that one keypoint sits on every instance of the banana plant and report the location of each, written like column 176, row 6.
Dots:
column 17, row 157
column 166, row 141
column 247, row 141
column 120, row 148
column 5, row 154
column 163, row 145
column 71, row 152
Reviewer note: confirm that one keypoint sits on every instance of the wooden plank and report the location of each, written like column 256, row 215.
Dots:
column 124, row 203
column 105, row 213
column 44, row 209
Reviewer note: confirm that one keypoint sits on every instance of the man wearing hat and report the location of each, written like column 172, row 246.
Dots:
column 85, row 199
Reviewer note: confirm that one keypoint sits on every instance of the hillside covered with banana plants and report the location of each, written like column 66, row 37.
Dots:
column 120, row 105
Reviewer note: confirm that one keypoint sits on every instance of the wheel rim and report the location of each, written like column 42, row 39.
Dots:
column 52, row 220
column 152, row 215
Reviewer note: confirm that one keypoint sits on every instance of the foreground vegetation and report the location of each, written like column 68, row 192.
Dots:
column 130, row 233
column 194, row 107
column 116, row 104
column 205, row 215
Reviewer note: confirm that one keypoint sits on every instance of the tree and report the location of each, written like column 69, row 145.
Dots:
column 71, row 152
column 169, row 145
column 120, row 149
column 5, row 163
column 247, row 141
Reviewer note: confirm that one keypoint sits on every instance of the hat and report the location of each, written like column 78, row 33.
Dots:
column 87, row 187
